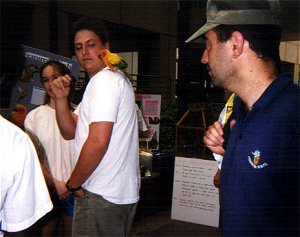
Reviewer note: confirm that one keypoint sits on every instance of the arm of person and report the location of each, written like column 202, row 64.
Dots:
column 60, row 186
column 40, row 152
column 61, row 189
column 144, row 134
column 25, row 191
column 213, row 138
column 144, row 130
column 217, row 179
column 91, row 153
column 66, row 119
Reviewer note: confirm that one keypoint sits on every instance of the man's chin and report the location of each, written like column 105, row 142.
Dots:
column 215, row 81
column 86, row 65
column 218, row 84
column 89, row 68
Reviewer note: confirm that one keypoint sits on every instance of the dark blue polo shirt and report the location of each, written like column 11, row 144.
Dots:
column 260, row 170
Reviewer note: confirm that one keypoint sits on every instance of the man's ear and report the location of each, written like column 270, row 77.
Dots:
column 237, row 43
column 107, row 45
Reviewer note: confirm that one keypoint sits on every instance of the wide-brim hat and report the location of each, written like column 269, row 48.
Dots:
column 239, row 12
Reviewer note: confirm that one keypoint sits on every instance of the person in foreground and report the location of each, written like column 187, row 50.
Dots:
column 260, row 169
column 41, row 122
column 106, row 139
column 24, row 196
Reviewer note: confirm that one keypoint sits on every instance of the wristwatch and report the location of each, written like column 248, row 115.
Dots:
column 71, row 189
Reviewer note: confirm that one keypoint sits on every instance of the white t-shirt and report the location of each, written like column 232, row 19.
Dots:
column 109, row 97
column 141, row 122
column 223, row 117
column 42, row 123
column 24, row 196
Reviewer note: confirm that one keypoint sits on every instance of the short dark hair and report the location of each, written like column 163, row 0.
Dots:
column 91, row 24
column 264, row 40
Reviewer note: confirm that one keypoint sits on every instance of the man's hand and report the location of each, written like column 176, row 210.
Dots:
column 213, row 138
column 60, row 87
column 80, row 193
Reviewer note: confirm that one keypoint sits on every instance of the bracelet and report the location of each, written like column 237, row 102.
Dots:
column 71, row 189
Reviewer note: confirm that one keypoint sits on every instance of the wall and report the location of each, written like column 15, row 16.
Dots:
column 192, row 75
column 150, row 15
column 148, row 27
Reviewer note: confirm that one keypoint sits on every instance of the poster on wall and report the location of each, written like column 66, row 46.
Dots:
column 195, row 198
column 150, row 106
column 29, row 90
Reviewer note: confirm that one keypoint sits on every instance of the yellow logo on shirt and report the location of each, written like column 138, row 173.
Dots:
column 254, row 161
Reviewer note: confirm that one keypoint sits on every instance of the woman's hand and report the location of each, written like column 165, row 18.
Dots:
column 61, row 189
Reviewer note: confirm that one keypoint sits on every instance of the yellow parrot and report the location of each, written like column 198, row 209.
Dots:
column 112, row 60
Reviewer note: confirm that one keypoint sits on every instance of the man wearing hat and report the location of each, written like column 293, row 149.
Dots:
column 260, row 169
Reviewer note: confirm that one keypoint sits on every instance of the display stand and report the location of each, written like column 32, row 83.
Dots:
column 189, row 132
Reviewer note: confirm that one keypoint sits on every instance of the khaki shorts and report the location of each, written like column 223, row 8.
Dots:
column 95, row 216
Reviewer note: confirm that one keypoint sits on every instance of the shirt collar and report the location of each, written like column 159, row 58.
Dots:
column 268, row 95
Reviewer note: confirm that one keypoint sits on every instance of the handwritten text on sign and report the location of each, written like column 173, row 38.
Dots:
column 195, row 198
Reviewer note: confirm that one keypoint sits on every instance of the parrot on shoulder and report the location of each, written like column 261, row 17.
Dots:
column 112, row 60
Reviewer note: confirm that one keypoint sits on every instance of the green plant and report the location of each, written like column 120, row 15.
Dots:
column 168, row 120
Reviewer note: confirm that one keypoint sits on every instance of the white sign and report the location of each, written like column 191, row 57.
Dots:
column 195, row 198
column 38, row 96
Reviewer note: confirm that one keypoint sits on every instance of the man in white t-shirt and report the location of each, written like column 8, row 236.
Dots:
column 106, row 139
column 144, row 131
column 24, row 196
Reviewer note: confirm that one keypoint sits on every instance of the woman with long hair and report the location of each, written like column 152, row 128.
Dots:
column 41, row 122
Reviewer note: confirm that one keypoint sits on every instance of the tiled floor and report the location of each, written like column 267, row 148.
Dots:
column 160, row 224
column 150, row 223
column 157, row 224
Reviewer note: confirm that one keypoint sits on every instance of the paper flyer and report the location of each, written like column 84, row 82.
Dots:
column 195, row 198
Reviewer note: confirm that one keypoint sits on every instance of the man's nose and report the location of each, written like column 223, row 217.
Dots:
column 204, row 58
column 85, row 50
